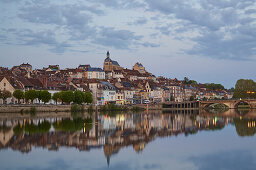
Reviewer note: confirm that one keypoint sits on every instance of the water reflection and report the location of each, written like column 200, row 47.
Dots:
column 114, row 132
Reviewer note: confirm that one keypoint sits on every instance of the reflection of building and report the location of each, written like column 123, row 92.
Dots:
column 111, row 133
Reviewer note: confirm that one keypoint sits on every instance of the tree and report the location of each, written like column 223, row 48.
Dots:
column 31, row 95
column 193, row 83
column 78, row 97
column 245, row 89
column 88, row 97
column 172, row 98
column 5, row 95
column 67, row 96
column 18, row 94
column 56, row 97
column 186, row 80
column 45, row 96
column 39, row 95
column 213, row 86
column 191, row 98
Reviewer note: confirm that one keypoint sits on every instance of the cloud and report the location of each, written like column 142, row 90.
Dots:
column 119, row 39
column 120, row 4
column 28, row 37
column 234, row 160
column 139, row 21
column 148, row 44
column 222, row 29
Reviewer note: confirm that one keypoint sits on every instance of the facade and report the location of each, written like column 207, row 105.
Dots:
column 129, row 96
column 97, row 93
column 95, row 73
column 109, row 93
column 5, row 85
column 176, row 92
column 120, row 98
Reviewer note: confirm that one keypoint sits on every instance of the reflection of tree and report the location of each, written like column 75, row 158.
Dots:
column 18, row 129
column 69, row 125
column 5, row 128
column 215, row 127
column 242, row 128
column 243, row 111
column 43, row 127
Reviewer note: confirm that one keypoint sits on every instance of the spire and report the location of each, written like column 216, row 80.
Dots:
column 108, row 160
column 108, row 54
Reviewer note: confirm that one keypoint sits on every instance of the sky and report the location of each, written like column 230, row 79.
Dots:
column 204, row 40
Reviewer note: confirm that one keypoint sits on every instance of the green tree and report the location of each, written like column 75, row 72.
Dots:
column 56, row 97
column 193, row 83
column 67, row 96
column 39, row 95
column 245, row 89
column 213, row 86
column 31, row 95
column 78, row 97
column 186, row 80
column 191, row 98
column 18, row 94
column 45, row 96
column 172, row 98
column 5, row 95
column 88, row 97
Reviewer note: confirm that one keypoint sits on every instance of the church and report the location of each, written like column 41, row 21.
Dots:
column 110, row 65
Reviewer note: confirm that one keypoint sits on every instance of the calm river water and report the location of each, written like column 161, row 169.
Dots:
column 191, row 141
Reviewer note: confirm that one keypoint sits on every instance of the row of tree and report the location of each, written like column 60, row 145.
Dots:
column 209, row 86
column 45, row 96
column 245, row 89
column 5, row 95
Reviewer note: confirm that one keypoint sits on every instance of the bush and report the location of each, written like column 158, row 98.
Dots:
column 137, row 109
column 77, row 108
column 33, row 110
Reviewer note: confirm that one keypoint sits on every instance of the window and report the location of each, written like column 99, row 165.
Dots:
column 4, row 84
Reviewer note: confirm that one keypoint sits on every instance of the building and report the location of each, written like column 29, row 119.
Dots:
column 110, row 65
column 95, row 73
column 84, row 67
column 109, row 93
column 26, row 67
column 97, row 92
column 139, row 67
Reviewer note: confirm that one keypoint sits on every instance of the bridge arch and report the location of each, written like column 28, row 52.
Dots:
column 237, row 103
column 213, row 103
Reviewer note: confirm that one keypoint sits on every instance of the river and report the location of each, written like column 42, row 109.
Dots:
column 194, row 141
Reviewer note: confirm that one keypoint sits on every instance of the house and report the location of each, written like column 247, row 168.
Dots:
column 95, row 73
column 117, row 74
column 139, row 67
column 109, row 92
column 53, row 68
column 84, row 67
column 176, row 92
column 120, row 97
column 26, row 67
column 97, row 92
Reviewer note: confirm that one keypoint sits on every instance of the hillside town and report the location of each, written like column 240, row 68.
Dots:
column 111, row 84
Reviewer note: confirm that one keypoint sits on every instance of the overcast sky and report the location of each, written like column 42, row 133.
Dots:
column 204, row 40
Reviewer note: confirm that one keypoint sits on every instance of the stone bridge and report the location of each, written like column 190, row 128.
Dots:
column 232, row 104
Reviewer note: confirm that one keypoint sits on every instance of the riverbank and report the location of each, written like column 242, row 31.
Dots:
column 68, row 108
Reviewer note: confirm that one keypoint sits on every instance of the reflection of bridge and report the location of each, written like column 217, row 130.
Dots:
column 232, row 104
